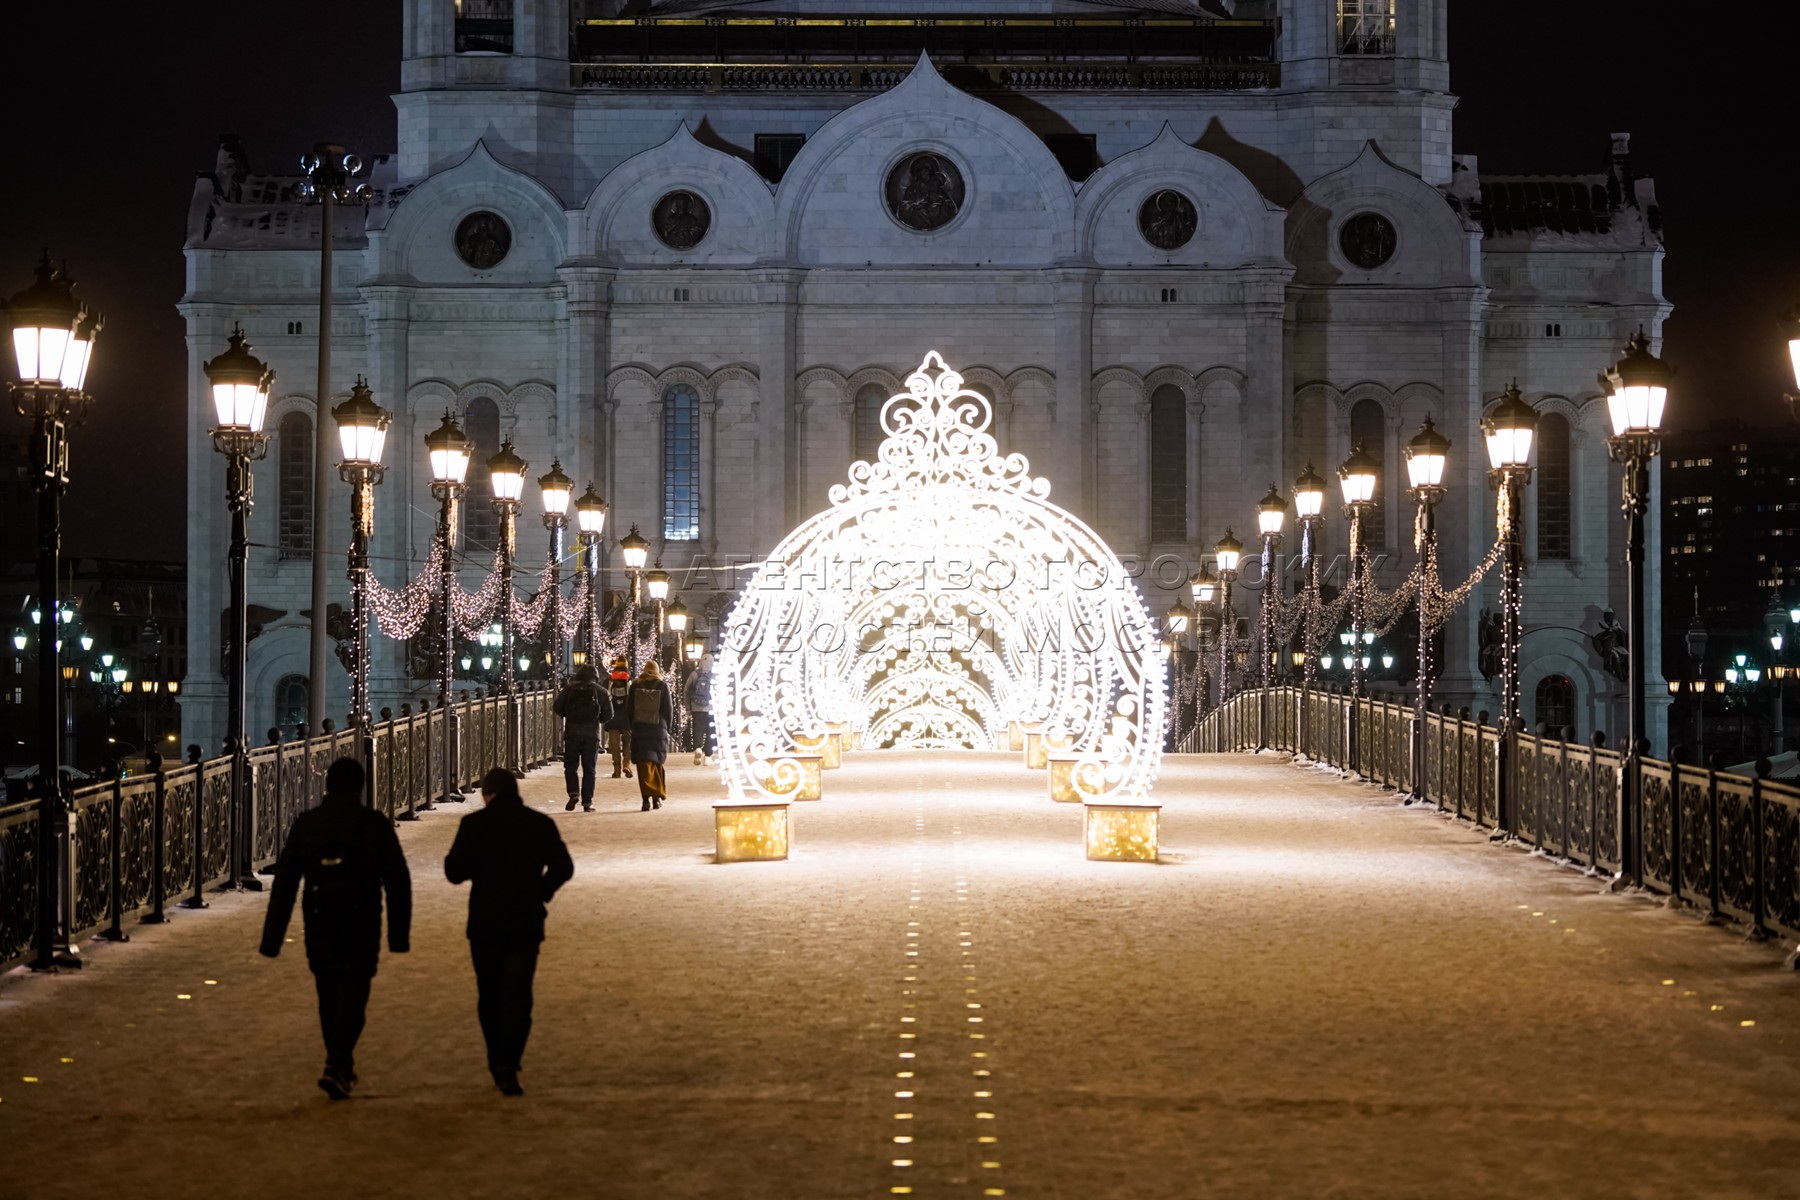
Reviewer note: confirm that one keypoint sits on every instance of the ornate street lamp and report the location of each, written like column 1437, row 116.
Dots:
column 1359, row 475
column 448, row 449
column 1271, row 517
column 695, row 647
column 240, row 390
column 1775, row 623
column 1309, row 507
column 1509, row 430
column 329, row 173
column 1637, row 389
column 1205, row 587
column 1427, row 457
column 590, row 519
column 506, row 472
column 362, row 431
column 656, row 583
column 556, row 489
column 634, row 550
column 53, row 336
column 1230, row 553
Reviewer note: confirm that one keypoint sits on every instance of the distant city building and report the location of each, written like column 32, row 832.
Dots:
column 690, row 246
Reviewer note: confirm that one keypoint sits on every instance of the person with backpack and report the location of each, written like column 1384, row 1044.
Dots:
column 699, row 705
column 515, row 861
column 652, row 716
column 618, row 730
column 347, row 856
column 584, row 708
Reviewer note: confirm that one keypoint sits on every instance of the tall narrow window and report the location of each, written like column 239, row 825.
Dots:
column 1554, row 515
column 681, row 464
column 481, row 524
column 869, row 399
column 290, row 703
column 1555, row 702
column 1168, row 464
column 1365, row 26
column 484, row 26
column 1368, row 429
column 293, row 486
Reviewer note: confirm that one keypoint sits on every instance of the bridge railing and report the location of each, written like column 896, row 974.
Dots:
column 1726, row 843
column 136, row 845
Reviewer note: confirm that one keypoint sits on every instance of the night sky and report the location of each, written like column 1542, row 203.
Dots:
column 115, row 107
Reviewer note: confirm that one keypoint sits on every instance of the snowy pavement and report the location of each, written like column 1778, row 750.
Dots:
column 1318, row 993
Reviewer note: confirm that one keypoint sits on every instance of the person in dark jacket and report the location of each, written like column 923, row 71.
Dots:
column 618, row 730
column 516, row 860
column 584, row 706
column 652, row 717
column 347, row 855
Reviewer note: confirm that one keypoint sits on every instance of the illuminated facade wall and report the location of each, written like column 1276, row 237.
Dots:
column 1278, row 253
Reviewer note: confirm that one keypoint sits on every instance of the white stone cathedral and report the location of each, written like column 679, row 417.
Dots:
column 1188, row 247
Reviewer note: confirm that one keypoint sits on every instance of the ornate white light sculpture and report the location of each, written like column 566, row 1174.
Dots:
column 940, row 597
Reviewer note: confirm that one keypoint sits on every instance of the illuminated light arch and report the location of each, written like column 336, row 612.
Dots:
column 939, row 597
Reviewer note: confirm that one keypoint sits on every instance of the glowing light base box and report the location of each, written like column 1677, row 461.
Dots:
column 1121, row 832
column 750, row 832
column 811, row 783
column 1015, row 736
column 1062, row 779
column 1035, row 756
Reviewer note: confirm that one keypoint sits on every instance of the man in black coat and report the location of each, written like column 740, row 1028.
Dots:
column 583, row 706
column 516, row 860
column 347, row 855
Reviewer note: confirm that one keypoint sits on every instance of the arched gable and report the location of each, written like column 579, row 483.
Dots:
column 616, row 222
column 1432, row 247
column 418, row 242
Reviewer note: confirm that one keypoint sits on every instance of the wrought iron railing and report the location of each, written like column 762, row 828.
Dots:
column 138, row 844
column 1723, row 842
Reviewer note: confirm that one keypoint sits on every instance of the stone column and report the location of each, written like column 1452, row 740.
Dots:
column 1195, row 465
column 778, row 297
column 208, row 530
column 398, row 547
column 1074, row 426
column 581, row 383
column 1466, row 526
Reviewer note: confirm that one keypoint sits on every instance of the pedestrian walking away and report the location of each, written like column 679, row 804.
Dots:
column 584, row 707
column 699, row 704
column 346, row 855
column 652, row 718
column 514, row 861
column 618, row 730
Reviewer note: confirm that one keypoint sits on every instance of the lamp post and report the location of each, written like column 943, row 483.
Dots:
column 240, row 389
column 1271, row 515
column 1180, row 617
column 1637, row 390
column 677, row 617
column 656, row 583
column 447, row 448
column 1427, row 455
column 556, row 489
column 362, row 430
column 1205, row 586
column 1309, row 507
column 635, row 550
column 1509, row 430
column 1696, row 649
column 590, row 518
column 1230, row 552
column 329, row 171
column 53, row 337
column 1775, row 624
column 506, row 471
column 1359, row 475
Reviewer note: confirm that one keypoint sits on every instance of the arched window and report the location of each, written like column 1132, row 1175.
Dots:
column 681, row 464
column 293, row 485
column 291, row 695
column 1168, row 464
column 867, row 418
column 1553, row 487
column 1368, row 429
column 481, row 524
column 1555, row 702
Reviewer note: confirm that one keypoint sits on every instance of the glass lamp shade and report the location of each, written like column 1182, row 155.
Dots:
column 1325, row 661
column 447, row 447
column 506, row 471
column 106, row 660
column 119, row 674
column 657, row 581
column 1271, row 513
column 1179, row 617
column 524, row 662
column 1741, row 659
column 1753, row 674
column 1309, row 493
column 362, row 427
column 1426, row 457
column 68, row 672
column 1230, row 552
column 1637, row 388
column 20, row 640
column 1358, row 476
column 52, row 332
column 1775, row 640
column 678, row 616
column 634, row 549
column 87, row 643
column 1205, row 585
column 1298, row 657
column 590, row 513
column 556, row 488
column 1509, row 430
column 1794, row 357
column 696, row 648
column 240, row 386
column 1387, row 662
column 580, row 657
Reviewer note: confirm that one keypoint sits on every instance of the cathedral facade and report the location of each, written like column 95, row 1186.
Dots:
column 687, row 247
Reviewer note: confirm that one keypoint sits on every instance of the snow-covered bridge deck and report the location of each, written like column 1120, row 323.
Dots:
column 1319, row 992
